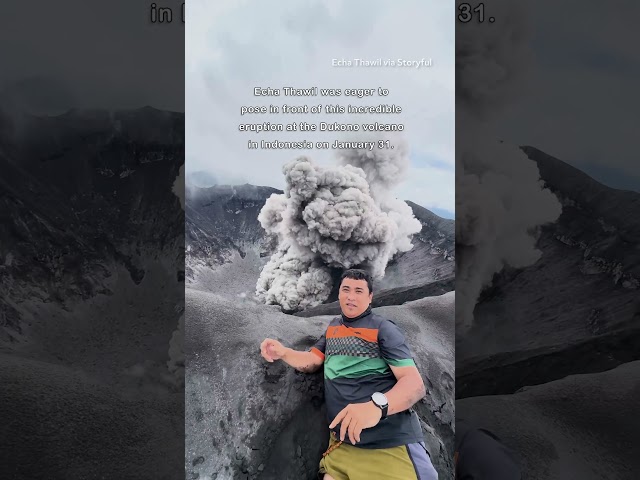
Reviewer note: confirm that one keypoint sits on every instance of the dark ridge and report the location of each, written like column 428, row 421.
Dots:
column 392, row 296
column 575, row 311
column 444, row 225
column 506, row 373
column 619, row 207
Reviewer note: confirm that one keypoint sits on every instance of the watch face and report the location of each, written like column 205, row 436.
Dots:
column 379, row 399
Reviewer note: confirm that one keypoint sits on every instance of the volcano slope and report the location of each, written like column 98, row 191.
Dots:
column 576, row 310
column 226, row 246
column 551, row 362
column 91, row 232
column 582, row 426
column 247, row 418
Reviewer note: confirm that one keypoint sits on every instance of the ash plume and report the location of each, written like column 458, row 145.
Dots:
column 383, row 168
column 500, row 205
column 334, row 217
column 500, row 200
column 492, row 63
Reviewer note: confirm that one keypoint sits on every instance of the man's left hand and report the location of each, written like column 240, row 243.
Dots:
column 354, row 418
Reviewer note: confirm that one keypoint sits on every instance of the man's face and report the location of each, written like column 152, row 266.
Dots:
column 354, row 297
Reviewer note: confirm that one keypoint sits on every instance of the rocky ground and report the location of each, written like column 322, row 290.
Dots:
column 91, row 233
column 580, row 427
column 576, row 310
column 551, row 362
column 62, row 422
column 250, row 419
column 247, row 419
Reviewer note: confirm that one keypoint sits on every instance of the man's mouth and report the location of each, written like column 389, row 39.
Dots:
column 351, row 305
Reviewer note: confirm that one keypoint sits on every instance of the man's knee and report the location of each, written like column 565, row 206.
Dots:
column 328, row 477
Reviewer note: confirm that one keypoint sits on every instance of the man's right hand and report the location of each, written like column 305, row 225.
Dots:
column 272, row 350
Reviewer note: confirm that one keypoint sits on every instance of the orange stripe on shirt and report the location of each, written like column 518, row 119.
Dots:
column 317, row 352
column 341, row 331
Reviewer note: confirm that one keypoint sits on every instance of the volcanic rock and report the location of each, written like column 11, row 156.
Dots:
column 267, row 421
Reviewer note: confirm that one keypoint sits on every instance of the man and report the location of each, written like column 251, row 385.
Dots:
column 371, row 382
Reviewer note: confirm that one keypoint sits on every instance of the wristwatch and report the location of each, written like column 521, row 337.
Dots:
column 380, row 401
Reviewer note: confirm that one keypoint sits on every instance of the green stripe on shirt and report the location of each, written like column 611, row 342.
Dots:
column 405, row 362
column 347, row 366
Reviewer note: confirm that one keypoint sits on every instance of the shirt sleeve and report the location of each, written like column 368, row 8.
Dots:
column 393, row 346
column 319, row 347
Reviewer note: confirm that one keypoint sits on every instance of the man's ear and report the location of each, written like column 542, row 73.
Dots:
column 370, row 297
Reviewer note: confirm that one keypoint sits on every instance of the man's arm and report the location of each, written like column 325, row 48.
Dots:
column 409, row 389
column 395, row 350
column 405, row 393
column 307, row 362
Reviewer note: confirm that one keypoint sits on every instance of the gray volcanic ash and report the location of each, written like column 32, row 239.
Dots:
column 335, row 217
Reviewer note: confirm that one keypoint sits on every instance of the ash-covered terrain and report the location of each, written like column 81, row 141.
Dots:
column 547, row 311
column 248, row 419
column 91, row 233
column 226, row 247
column 577, row 309
column 223, row 235
column 550, row 363
column 579, row 427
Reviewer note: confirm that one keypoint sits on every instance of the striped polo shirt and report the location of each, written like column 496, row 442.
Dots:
column 357, row 356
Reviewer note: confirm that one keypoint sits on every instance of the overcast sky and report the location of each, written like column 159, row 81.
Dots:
column 581, row 104
column 77, row 54
column 234, row 46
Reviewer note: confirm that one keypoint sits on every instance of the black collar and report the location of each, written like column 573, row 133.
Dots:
column 363, row 314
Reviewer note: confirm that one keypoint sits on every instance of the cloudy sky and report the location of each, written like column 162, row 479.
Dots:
column 234, row 46
column 581, row 103
column 74, row 54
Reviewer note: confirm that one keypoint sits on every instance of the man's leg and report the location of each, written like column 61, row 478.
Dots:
column 405, row 462
column 421, row 461
column 334, row 462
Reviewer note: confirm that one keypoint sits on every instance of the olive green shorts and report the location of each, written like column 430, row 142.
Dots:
column 405, row 462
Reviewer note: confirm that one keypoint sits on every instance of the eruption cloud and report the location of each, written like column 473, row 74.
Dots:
column 500, row 200
column 339, row 217
column 492, row 63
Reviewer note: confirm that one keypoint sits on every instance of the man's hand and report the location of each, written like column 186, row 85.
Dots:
column 355, row 417
column 272, row 349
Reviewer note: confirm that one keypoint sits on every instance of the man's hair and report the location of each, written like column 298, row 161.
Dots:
column 358, row 274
